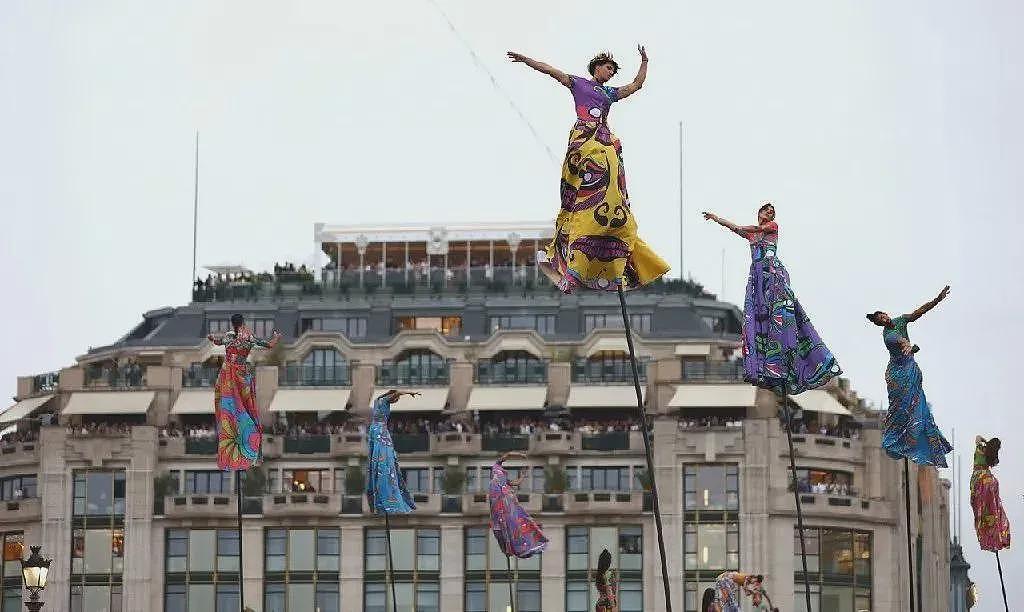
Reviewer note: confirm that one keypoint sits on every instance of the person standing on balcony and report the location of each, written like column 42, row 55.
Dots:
column 596, row 243
column 782, row 351
column 386, row 491
column 518, row 535
column 239, row 431
column 909, row 430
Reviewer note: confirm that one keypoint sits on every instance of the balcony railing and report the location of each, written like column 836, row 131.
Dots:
column 199, row 376
column 315, row 376
column 45, row 382
column 523, row 372
column 401, row 374
column 607, row 371
column 307, row 445
column 120, row 378
column 712, row 371
column 504, row 443
column 411, row 443
column 609, row 441
column 200, row 446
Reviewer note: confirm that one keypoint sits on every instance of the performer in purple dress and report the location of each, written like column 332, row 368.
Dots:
column 518, row 535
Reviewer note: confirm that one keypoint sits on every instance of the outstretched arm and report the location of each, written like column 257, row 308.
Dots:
column 539, row 66
column 217, row 339
column 511, row 454
column 928, row 306
column 274, row 338
column 741, row 230
column 638, row 81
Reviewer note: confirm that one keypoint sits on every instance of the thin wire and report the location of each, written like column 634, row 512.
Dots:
column 497, row 86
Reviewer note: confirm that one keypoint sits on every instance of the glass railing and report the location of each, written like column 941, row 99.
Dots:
column 512, row 373
column 604, row 371
column 612, row 440
column 307, row 445
column 504, row 443
column 200, row 446
column 401, row 374
column 712, row 371
column 411, row 443
column 45, row 382
column 315, row 376
column 199, row 376
column 123, row 377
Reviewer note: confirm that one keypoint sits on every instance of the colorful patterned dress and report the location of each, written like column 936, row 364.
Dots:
column 990, row 522
column 595, row 243
column 727, row 591
column 385, row 486
column 781, row 349
column 239, row 432
column 909, row 431
column 518, row 535
column 607, row 592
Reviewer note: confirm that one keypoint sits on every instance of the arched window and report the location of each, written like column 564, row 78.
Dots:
column 512, row 367
column 414, row 367
column 320, row 367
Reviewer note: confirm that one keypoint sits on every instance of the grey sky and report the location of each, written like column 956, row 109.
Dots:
column 889, row 135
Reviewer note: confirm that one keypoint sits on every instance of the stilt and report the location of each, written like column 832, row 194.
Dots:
column 1001, row 583
column 511, row 583
column 647, row 435
column 241, row 559
column 910, row 545
column 391, row 563
column 799, row 508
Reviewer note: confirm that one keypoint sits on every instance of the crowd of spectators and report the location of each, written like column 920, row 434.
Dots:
column 115, row 374
column 828, row 486
column 709, row 422
column 99, row 428
column 840, row 430
column 17, row 437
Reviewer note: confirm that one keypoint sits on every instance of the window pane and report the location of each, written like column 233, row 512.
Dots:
column 273, row 598
column 175, row 598
column 201, row 597
column 837, row 599
column 836, row 552
column 227, row 598
column 602, row 538
column 403, row 551
column 577, row 596
column 428, row 597
column 96, row 599
column 300, row 596
column 631, row 596
column 98, row 544
column 99, row 491
column 202, row 550
column 711, row 547
column 301, row 552
column 327, row 597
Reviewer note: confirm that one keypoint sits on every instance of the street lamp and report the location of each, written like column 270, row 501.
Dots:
column 35, row 570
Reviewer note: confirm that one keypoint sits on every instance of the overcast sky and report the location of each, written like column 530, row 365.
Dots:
column 889, row 135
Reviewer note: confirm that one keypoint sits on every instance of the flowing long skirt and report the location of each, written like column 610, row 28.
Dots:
column 727, row 595
column 239, row 432
column 595, row 243
column 781, row 349
column 990, row 522
column 385, row 487
column 909, row 431
column 517, row 533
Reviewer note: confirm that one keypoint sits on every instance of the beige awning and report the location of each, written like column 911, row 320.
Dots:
column 603, row 396
column 693, row 350
column 507, row 398
column 310, row 400
column 24, row 408
column 109, row 402
column 432, row 399
column 193, row 402
column 713, row 396
column 615, row 344
column 818, row 400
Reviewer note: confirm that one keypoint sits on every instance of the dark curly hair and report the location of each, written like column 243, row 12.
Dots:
column 992, row 452
column 602, row 58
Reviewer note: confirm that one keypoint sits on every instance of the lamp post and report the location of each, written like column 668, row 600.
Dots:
column 34, row 570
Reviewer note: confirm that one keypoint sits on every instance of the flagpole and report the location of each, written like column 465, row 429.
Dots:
column 195, row 215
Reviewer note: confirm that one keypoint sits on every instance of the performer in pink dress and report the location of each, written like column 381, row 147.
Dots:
column 518, row 535
column 989, row 517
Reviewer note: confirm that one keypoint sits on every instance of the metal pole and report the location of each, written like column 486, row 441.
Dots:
column 799, row 508
column 511, row 587
column 644, row 430
column 910, row 545
column 1001, row 583
column 681, row 273
column 195, row 215
column 241, row 558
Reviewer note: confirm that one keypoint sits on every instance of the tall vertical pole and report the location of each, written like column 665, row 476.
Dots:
column 241, row 558
column 647, row 435
column 1002, row 584
column 682, row 274
column 910, row 546
column 511, row 584
column 195, row 215
column 391, row 563
column 799, row 508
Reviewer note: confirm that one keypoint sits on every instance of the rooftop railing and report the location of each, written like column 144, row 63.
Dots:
column 712, row 371
column 125, row 377
column 199, row 376
column 315, row 376
column 607, row 371
column 490, row 372
column 402, row 374
column 45, row 382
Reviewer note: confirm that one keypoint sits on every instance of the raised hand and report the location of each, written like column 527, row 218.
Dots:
column 709, row 216
column 943, row 293
column 643, row 53
column 515, row 57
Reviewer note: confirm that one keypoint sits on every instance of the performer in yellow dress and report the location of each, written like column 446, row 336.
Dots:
column 596, row 243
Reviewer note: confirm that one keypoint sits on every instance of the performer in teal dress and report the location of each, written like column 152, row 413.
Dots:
column 385, row 486
column 909, row 430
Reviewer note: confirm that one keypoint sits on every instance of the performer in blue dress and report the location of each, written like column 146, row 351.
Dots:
column 385, row 487
column 909, row 430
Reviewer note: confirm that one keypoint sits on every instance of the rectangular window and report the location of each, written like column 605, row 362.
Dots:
column 614, row 478
column 207, row 482
column 98, row 493
column 417, row 555
column 447, row 326
column 301, row 569
column 351, row 327
column 583, row 547
column 486, row 575
column 13, row 488
column 638, row 322
column 839, row 569
column 417, row 480
column 711, row 487
column 10, row 572
column 542, row 324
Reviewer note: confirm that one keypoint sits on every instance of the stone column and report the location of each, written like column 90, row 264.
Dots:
column 352, row 569
column 668, row 473
column 266, row 387
column 552, row 575
column 139, row 578
column 252, row 562
column 55, row 493
column 452, row 572
column 559, row 374
column 460, row 384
